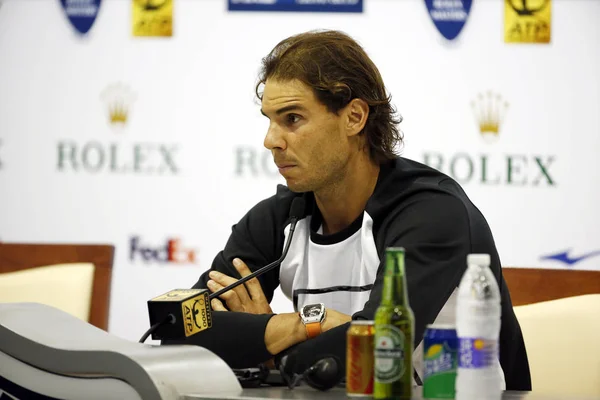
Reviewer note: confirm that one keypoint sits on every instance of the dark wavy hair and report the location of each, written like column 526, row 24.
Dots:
column 338, row 70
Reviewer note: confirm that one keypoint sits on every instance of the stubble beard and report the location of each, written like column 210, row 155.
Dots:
column 325, row 180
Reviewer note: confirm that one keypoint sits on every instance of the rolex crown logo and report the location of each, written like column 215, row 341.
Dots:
column 118, row 99
column 489, row 109
column 118, row 113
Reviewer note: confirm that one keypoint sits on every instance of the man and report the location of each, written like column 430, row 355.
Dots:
column 333, row 134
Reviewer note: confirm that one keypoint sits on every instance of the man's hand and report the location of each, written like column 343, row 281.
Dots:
column 247, row 297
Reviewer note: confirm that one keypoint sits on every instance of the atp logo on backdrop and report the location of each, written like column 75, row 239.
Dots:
column 527, row 21
column 516, row 169
column 117, row 156
column 152, row 18
column 171, row 251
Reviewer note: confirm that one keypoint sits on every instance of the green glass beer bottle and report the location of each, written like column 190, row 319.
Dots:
column 394, row 332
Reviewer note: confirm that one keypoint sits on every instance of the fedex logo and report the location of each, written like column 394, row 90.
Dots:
column 170, row 252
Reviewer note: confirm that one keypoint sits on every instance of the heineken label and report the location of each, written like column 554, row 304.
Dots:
column 389, row 353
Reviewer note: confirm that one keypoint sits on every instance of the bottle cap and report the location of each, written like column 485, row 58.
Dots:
column 479, row 259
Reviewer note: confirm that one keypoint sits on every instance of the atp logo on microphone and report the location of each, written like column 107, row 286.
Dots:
column 172, row 251
column 197, row 314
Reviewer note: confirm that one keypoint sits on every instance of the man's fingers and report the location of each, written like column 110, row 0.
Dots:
column 230, row 297
column 217, row 305
column 225, row 280
column 253, row 285
column 251, row 299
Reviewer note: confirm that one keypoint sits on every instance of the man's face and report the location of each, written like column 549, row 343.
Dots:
column 307, row 141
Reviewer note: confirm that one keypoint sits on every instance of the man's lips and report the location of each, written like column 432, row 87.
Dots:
column 285, row 166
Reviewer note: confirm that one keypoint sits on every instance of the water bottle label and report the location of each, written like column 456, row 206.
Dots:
column 477, row 353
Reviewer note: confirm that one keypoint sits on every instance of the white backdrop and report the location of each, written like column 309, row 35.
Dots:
column 189, row 161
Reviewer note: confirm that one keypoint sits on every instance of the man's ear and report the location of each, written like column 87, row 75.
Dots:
column 357, row 112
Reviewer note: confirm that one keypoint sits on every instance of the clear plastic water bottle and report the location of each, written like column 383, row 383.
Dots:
column 478, row 310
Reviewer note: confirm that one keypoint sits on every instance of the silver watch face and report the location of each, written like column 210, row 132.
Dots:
column 313, row 312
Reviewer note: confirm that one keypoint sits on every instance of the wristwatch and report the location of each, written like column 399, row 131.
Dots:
column 312, row 315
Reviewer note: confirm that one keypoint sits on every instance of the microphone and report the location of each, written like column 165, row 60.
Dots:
column 296, row 212
column 178, row 313
column 184, row 312
column 325, row 373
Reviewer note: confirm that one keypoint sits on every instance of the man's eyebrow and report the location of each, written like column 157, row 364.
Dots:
column 285, row 109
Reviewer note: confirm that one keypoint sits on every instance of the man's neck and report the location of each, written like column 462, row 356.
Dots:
column 343, row 201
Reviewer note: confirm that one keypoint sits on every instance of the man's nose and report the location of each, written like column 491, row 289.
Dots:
column 274, row 138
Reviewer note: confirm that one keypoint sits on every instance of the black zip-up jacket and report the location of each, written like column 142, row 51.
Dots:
column 413, row 206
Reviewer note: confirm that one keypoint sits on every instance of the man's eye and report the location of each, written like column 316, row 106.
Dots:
column 292, row 118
